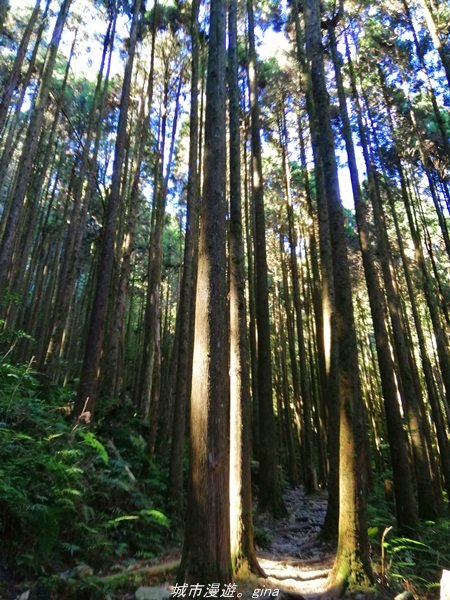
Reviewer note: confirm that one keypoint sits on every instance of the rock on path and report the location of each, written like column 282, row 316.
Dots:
column 297, row 562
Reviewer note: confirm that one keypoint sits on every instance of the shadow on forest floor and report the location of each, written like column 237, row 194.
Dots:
column 297, row 562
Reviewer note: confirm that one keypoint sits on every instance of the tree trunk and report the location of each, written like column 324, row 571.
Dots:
column 186, row 306
column 206, row 552
column 307, row 442
column 13, row 78
column 352, row 566
column 269, row 488
column 243, row 557
column 30, row 149
column 406, row 510
column 328, row 342
column 442, row 50
column 89, row 377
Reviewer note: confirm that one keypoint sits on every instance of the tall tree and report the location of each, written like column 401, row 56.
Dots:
column 30, row 148
column 185, row 317
column 243, row 555
column 403, row 486
column 269, row 486
column 352, row 565
column 206, row 551
column 89, row 378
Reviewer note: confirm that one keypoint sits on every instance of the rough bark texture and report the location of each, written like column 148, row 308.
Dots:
column 206, row 552
column 326, row 328
column 352, row 566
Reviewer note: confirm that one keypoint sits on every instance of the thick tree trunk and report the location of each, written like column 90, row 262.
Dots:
column 352, row 564
column 206, row 552
column 326, row 321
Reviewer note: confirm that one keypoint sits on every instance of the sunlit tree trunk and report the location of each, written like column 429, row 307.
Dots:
column 352, row 565
column 186, row 306
column 434, row 33
column 206, row 551
column 243, row 555
column 327, row 340
column 269, row 488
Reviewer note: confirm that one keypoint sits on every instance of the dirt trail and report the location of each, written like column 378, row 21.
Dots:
column 296, row 560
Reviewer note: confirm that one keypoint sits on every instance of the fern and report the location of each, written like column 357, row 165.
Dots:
column 156, row 516
column 90, row 439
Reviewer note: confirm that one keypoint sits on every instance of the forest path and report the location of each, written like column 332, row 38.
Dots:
column 297, row 561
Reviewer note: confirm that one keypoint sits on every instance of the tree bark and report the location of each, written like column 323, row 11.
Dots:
column 186, row 308
column 406, row 509
column 206, row 551
column 352, row 566
column 243, row 556
column 269, row 488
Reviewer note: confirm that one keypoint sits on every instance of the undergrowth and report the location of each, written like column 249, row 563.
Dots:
column 71, row 495
column 408, row 563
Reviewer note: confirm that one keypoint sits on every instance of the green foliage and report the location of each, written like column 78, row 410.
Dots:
column 418, row 564
column 92, row 441
column 69, row 495
column 409, row 563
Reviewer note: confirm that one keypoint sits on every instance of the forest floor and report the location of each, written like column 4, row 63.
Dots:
column 297, row 564
column 296, row 560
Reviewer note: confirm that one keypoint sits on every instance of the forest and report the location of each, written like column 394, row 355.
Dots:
column 224, row 299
